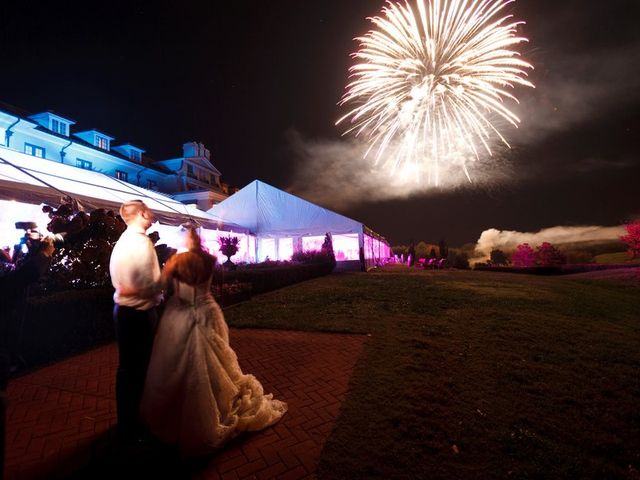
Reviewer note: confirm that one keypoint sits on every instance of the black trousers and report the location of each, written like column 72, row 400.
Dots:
column 134, row 332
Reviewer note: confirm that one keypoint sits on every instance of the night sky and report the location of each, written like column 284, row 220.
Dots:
column 257, row 81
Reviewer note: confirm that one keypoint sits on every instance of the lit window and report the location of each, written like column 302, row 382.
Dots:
column 152, row 185
column 120, row 175
column 84, row 164
column 102, row 142
column 135, row 155
column 58, row 127
column 34, row 150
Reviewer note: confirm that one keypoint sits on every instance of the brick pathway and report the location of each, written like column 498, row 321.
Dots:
column 60, row 418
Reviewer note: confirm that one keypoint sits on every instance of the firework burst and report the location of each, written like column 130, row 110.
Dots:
column 430, row 84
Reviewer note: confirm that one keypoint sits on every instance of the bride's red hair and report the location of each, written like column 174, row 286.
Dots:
column 192, row 239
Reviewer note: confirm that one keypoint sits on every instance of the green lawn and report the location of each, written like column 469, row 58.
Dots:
column 475, row 374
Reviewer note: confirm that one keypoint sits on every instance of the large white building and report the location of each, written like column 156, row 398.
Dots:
column 190, row 179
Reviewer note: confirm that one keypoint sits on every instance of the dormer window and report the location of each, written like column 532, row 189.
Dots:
column 97, row 139
column 102, row 142
column 59, row 127
column 129, row 151
column 53, row 122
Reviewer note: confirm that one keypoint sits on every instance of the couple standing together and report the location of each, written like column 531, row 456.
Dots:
column 177, row 378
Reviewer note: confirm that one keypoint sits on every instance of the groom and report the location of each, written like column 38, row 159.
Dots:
column 135, row 274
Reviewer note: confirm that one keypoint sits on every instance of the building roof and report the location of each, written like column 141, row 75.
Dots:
column 24, row 115
column 271, row 212
column 30, row 179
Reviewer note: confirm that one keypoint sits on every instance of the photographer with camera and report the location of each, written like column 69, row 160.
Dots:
column 14, row 286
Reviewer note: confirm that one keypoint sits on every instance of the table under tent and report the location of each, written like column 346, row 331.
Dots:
column 284, row 223
column 27, row 183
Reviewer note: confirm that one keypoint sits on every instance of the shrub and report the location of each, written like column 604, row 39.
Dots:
column 65, row 323
column 311, row 257
column 266, row 278
column 632, row 239
column 231, row 293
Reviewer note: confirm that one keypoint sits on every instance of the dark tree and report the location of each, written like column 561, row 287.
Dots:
column 82, row 261
column 459, row 260
column 444, row 250
column 327, row 248
column 498, row 257
column 549, row 256
column 524, row 256
column 411, row 252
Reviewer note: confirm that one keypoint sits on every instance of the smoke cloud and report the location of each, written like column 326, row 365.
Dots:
column 508, row 240
column 574, row 88
column 337, row 174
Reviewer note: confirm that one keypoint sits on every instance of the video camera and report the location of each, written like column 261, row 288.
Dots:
column 32, row 240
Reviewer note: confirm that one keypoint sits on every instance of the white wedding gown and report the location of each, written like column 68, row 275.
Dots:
column 196, row 396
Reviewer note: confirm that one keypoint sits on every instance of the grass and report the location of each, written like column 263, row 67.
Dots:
column 475, row 374
column 618, row 257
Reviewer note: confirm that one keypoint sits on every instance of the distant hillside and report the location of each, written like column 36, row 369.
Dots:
column 590, row 251
column 619, row 257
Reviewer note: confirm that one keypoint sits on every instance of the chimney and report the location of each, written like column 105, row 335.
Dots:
column 190, row 149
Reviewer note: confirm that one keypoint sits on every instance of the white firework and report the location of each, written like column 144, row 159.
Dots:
column 428, row 90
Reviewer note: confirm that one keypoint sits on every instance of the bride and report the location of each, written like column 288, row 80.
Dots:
column 196, row 396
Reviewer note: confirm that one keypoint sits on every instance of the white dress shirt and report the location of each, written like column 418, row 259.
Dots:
column 135, row 272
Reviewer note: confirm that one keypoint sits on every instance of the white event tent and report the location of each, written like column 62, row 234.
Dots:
column 284, row 223
column 28, row 182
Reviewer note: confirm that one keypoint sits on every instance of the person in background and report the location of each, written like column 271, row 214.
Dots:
column 6, row 265
column 13, row 288
column 135, row 275
column 163, row 251
column 411, row 254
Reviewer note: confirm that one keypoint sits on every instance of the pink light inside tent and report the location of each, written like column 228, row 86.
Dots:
column 312, row 243
column 285, row 248
column 267, row 249
column 346, row 247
